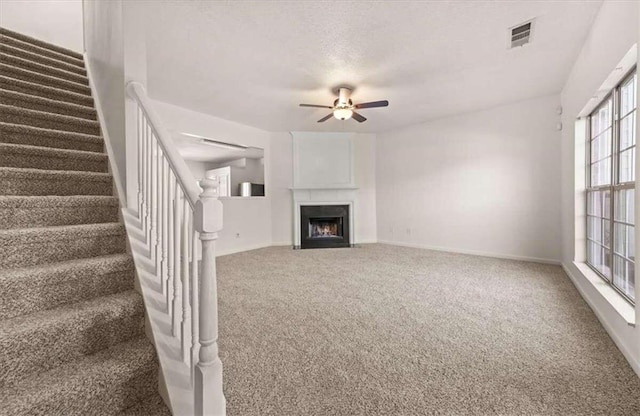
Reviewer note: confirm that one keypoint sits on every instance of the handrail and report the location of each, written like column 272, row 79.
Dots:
column 184, row 176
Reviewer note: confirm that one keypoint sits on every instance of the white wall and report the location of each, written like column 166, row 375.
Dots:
column 247, row 221
column 486, row 182
column 279, row 188
column 364, row 146
column 103, row 25
column 614, row 31
column 197, row 168
column 54, row 21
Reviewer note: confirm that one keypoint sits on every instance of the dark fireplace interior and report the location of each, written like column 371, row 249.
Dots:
column 324, row 226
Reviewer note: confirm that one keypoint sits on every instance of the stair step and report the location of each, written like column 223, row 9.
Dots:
column 25, row 247
column 24, row 156
column 150, row 406
column 101, row 384
column 28, row 290
column 45, row 60
column 43, row 69
column 44, row 340
column 34, row 102
column 21, row 181
column 51, row 211
column 35, row 136
column 37, row 45
column 39, row 90
column 46, row 120
column 46, row 80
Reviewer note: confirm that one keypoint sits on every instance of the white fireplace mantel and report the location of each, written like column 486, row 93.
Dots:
column 310, row 198
column 323, row 174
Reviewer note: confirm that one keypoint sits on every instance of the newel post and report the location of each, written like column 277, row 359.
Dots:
column 208, row 395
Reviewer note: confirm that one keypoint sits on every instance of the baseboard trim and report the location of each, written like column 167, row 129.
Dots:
column 282, row 244
column 220, row 253
column 473, row 252
column 576, row 280
column 113, row 168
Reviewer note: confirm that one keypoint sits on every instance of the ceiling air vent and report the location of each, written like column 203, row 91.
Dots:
column 521, row 34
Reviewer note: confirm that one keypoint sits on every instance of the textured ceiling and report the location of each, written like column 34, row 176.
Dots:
column 253, row 62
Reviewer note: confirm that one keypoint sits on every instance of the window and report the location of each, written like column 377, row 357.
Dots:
column 611, row 188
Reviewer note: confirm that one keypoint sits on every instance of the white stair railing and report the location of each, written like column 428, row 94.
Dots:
column 181, row 227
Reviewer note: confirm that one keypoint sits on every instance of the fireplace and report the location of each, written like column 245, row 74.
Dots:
column 324, row 226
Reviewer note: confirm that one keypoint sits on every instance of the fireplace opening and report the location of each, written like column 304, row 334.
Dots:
column 324, row 226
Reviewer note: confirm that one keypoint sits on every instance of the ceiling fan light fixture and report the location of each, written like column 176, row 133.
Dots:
column 342, row 113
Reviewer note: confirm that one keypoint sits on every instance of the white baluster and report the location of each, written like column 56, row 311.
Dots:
column 165, row 233
column 175, row 255
column 143, row 205
column 149, row 188
column 158, row 206
column 157, row 221
column 208, row 395
column 184, row 272
column 170, row 241
column 195, row 299
column 139, row 156
column 142, row 161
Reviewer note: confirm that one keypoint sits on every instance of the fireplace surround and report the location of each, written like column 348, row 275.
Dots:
column 325, row 226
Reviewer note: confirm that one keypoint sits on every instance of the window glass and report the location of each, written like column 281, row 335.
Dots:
column 628, row 96
column 627, row 131
column 612, row 172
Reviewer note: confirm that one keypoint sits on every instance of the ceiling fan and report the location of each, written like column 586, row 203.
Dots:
column 343, row 108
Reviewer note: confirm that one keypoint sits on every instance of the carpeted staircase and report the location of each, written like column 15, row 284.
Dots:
column 72, row 336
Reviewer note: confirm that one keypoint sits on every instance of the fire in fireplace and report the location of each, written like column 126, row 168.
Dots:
column 324, row 226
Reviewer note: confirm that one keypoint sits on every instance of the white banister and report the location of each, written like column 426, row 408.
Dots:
column 181, row 227
column 184, row 275
column 177, row 281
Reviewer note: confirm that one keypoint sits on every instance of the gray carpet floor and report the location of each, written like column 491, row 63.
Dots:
column 384, row 330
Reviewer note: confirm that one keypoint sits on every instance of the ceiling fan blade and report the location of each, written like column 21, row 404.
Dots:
column 373, row 104
column 358, row 117
column 323, row 119
column 315, row 106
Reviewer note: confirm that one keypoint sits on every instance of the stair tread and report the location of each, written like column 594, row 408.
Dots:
column 91, row 263
column 62, row 118
column 69, row 96
column 67, row 315
column 46, row 80
column 39, row 131
column 40, row 44
column 31, row 289
column 95, row 176
column 26, row 46
column 51, row 151
column 26, row 54
column 30, row 181
column 14, row 201
column 83, row 109
column 42, row 340
column 83, row 379
column 43, row 69
column 61, row 232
